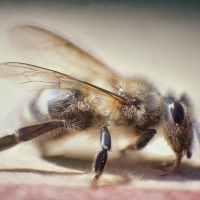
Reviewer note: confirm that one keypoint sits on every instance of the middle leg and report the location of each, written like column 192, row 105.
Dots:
column 101, row 159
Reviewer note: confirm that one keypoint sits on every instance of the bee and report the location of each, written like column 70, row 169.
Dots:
column 130, row 106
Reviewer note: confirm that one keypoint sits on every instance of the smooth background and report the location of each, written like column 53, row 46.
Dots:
column 159, row 40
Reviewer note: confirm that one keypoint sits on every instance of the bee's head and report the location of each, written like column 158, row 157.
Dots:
column 178, row 124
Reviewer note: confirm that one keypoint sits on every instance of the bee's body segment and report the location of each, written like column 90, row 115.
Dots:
column 74, row 107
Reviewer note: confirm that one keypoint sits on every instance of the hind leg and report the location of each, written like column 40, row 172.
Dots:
column 27, row 133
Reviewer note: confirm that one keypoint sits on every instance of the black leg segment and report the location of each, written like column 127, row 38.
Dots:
column 27, row 133
column 8, row 141
column 141, row 141
column 144, row 139
column 100, row 163
column 101, row 159
column 30, row 132
column 105, row 138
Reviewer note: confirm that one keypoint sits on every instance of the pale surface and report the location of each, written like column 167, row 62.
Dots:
column 161, row 44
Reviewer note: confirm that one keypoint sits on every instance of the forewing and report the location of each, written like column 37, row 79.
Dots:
column 52, row 50
column 33, row 78
column 28, row 77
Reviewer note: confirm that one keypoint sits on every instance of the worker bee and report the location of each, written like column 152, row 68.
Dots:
column 129, row 105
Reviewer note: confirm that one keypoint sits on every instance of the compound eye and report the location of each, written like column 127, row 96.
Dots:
column 177, row 111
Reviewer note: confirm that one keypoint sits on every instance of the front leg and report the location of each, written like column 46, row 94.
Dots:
column 27, row 133
column 142, row 141
column 169, row 168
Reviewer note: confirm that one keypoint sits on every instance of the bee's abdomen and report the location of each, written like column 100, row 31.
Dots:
column 74, row 107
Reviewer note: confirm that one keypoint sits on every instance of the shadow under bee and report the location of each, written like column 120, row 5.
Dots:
column 127, row 168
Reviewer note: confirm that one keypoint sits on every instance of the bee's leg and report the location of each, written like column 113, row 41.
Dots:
column 141, row 141
column 170, row 167
column 27, row 133
column 99, row 164
column 101, row 159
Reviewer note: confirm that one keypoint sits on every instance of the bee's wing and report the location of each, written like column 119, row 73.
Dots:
column 33, row 78
column 44, row 47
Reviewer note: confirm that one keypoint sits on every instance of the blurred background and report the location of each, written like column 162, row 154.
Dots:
column 159, row 40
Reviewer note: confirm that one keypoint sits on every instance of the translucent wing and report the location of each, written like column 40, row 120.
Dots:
column 34, row 78
column 44, row 47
